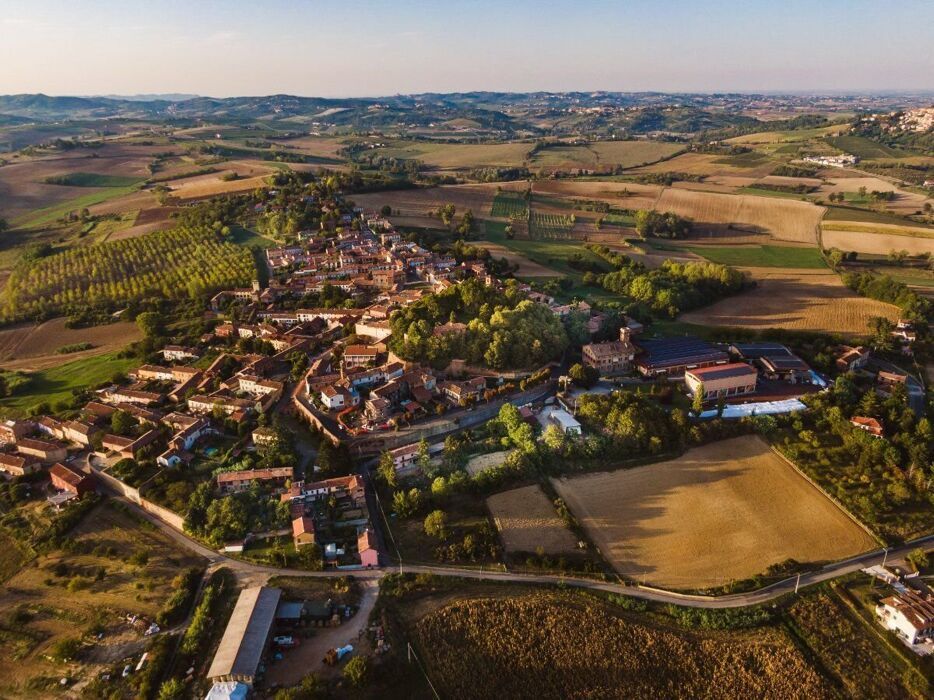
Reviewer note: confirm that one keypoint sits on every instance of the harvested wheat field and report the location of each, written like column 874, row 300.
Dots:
column 905, row 202
column 418, row 202
column 526, row 520
column 725, row 511
column 785, row 219
column 30, row 346
column 480, row 463
column 628, row 195
column 707, row 164
column 808, row 300
column 879, row 239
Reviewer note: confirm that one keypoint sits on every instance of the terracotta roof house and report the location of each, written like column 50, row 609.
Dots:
column 66, row 478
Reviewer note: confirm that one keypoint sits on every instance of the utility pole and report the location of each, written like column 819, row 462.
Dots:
column 885, row 556
column 797, row 583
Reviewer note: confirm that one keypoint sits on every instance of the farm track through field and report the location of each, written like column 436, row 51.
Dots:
column 254, row 574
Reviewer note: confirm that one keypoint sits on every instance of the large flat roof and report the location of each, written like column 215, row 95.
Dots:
column 735, row 369
column 677, row 351
column 244, row 640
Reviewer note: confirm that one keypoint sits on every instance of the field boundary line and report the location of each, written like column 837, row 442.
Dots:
column 833, row 499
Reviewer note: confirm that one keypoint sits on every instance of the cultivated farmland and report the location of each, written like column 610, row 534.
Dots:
column 879, row 239
column 784, row 219
column 29, row 343
column 725, row 511
column 553, row 645
column 178, row 263
column 508, row 204
column 527, row 521
column 794, row 300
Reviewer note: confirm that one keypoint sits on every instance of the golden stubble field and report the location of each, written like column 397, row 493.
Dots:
column 812, row 300
column 722, row 512
column 784, row 219
column 527, row 520
column 878, row 239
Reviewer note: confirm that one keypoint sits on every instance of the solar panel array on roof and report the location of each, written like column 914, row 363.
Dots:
column 676, row 351
column 789, row 362
column 753, row 351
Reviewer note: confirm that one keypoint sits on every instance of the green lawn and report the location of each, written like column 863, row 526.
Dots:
column 868, row 216
column 41, row 217
column 554, row 254
column 761, row 256
column 244, row 236
column 57, row 383
column 92, row 180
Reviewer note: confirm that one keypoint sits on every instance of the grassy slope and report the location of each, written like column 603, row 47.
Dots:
column 57, row 383
column 761, row 256
column 41, row 217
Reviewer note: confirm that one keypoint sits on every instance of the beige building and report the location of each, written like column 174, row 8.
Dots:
column 613, row 357
column 734, row 379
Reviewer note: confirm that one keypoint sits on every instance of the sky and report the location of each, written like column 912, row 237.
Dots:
column 371, row 48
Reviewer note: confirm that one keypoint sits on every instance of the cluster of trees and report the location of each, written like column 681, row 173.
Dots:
column 181, row 263
column 504, row 330
column 884, row 481
column 884, row 288
column 658, row 225
column 670, row 289
column 219, row 520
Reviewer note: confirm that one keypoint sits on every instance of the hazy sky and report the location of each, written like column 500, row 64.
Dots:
column 380, row 47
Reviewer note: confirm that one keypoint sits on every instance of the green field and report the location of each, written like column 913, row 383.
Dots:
column 509, row 204
column 57, row 383
column 42, row 217
column 868, row 216
column 864, row 148
column 761, row 256
column 92, row 180
column 751, row 159
column 246, row 237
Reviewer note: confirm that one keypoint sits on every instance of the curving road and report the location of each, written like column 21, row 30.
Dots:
column 249, row 573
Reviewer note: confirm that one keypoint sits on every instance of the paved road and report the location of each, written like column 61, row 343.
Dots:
column 249, row 573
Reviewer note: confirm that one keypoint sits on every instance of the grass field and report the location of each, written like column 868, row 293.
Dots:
column 807, row 300
column 857, row 214
column 138, row 564
column 48, row 215
column 864, row 148
column 57, row 383
column 527, row 522
column 80, row 179
column 761, row 256
column 602, row 155
column 725, row 511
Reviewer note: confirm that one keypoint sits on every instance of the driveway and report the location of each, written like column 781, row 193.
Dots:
column 308, row 658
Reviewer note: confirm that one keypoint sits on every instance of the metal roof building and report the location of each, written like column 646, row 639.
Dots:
column 246, row 636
